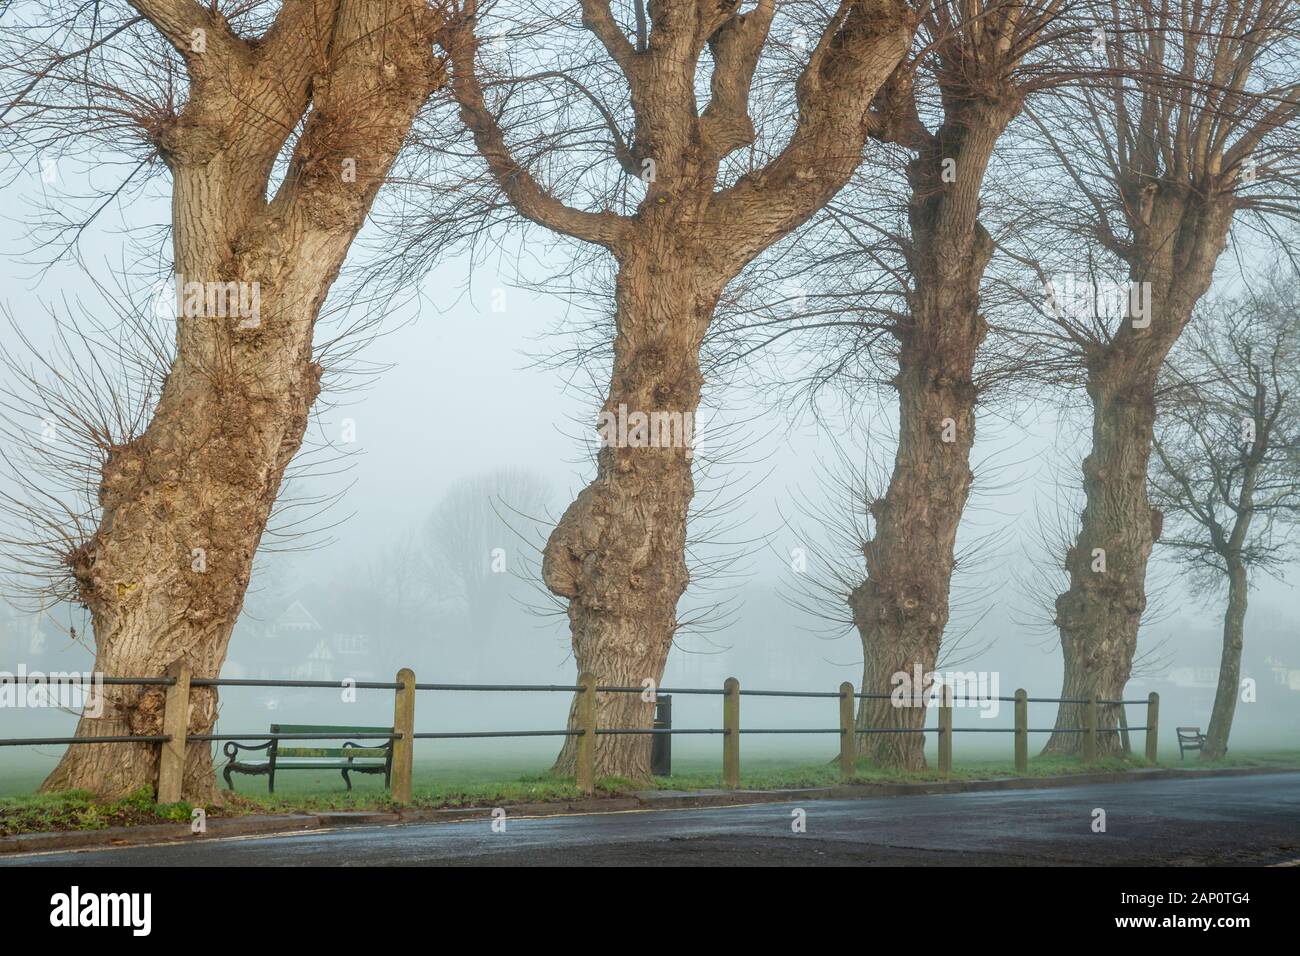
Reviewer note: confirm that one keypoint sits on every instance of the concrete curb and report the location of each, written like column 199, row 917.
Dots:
column 685, row 799
column 643, row 800
column 568, row 807
column 155, row 833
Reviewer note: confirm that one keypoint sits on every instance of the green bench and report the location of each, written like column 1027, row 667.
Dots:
column 374, row 756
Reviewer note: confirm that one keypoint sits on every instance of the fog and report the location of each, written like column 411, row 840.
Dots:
column 461, row 401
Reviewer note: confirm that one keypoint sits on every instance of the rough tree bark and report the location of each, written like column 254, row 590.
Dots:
column 618, row 553
column 901, row 607
column 1179, row 237
column 184, row 505
column 1163, row 150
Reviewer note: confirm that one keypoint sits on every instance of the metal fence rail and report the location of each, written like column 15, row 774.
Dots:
column 178, row 682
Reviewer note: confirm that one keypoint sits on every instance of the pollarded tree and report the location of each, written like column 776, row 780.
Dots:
column 892, row 291
column 983, row 59
column 697, row 193
column 278, row 123
column 1194, row 120
column 1226, row 473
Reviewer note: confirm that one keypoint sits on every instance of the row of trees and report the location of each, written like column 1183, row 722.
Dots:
column 692, row 151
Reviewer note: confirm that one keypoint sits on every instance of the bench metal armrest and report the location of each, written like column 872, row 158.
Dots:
column 232, row 747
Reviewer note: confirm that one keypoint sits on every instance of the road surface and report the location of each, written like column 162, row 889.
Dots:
column 1220, row 821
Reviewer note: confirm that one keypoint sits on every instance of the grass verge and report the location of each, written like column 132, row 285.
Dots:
column 498, row 786
column 79, row 810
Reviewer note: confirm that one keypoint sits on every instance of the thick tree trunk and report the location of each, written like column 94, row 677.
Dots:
column 1225, row 696
column 618, row 553
column 1179, row 237
column 901, row 608
column 1099, row 614
column 184, row 505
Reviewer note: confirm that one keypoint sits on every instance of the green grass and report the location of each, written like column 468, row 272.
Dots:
column 78, row 810
column 535, row 788
column 489, row 784
column 1245, row 758
column 759, row 775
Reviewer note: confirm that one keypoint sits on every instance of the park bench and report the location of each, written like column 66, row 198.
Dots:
column 352, row 757
column 1189, row 738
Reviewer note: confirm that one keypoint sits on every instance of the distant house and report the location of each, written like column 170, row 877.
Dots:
column 296, row 646
column 1194, row 677
column 296, row 618
column 1288, row 677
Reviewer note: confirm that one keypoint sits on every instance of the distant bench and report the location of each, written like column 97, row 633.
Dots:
column 1189, row 738
column 352, row 757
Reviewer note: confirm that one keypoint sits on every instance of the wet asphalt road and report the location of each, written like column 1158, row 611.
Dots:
column 1217, row 821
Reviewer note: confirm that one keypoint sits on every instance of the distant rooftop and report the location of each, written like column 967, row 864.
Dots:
column 297, row 618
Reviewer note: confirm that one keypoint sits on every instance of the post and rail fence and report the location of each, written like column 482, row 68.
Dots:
column 178, row 681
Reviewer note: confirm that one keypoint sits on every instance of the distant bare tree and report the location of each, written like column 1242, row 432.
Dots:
column 476, row 533
column 1226, row 472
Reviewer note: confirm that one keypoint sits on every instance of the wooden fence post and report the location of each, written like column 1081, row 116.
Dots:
column 176, row 724
column 1090, row 730
column 1153, row 726
column 403, row 743
column 945, row 731
column 586, row 763
column 846, row 731
column 1022, row 732
column 731, row 734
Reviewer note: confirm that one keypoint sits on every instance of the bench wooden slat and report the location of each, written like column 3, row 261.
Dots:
column 309, row 765
column 327, row 729
column 283, row 752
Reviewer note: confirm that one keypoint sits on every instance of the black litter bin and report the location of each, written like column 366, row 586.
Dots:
column 661, row 747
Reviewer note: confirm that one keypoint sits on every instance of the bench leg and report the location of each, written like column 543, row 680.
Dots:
column 270, row 782
column 230, row 784
column 347, row 779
